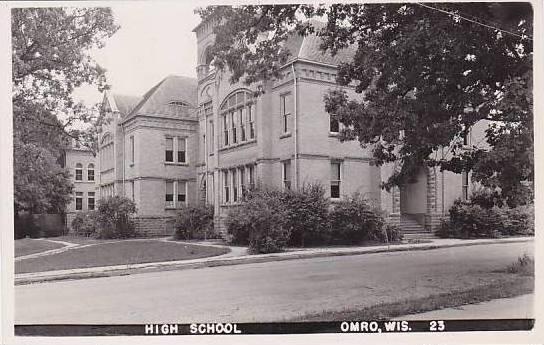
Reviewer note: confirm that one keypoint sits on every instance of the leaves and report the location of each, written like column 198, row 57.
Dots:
column 428, row 74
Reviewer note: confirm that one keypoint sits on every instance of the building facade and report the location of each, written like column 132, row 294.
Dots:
column 190, row 141
column 84, row 173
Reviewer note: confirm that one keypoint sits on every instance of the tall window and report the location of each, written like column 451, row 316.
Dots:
column 233, row 124
column 286, row 174
column 211, row 137
column 251, row 176
column 79, row 172
column 243, row 181
column 285, row 111
column 334, row 124
column 464, row 185
column 181, row 191
column 132, row 190
column 234, row 185
column 225, row 130
column 335, row 179
column 79, row 201
column 169, row 153
column 90, row 172
column 131, row 149
column 238, row 116
column 226, row 186
column 169, row 194
column 181, row 150
column 90, row 201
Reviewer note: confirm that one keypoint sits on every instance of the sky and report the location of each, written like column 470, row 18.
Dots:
column 155, row 40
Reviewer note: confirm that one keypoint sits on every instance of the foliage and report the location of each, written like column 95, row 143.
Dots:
column 195, row 222
column 427, row 78
column 262, row 218
column 470, row 220
column 390, row 233
column 50, row 58
column 354, row 220
column 85, row 223
column 307, row 212
column 114, row 217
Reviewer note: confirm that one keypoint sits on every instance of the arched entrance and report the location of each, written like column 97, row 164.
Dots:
column 413, row 202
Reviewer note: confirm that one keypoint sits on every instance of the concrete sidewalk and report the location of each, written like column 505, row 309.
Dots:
column 520, row 307
column 242, row 258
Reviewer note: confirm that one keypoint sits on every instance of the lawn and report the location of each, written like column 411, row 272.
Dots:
column 117, row 253
column 27, row 246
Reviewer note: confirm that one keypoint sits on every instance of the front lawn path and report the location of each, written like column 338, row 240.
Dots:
column 31, row 246
column 125, row 252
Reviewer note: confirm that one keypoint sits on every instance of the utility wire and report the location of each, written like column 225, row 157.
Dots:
column 475, row 22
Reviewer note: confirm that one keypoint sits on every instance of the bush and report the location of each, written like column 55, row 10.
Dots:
column 354, row 220
column 194, row 222
column 85, row 224
column 390, row 233
column 114, row 218
column 469, row 220
column 260, row 222
column 307, row 215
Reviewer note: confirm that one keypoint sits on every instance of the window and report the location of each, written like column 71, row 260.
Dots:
column 335, row 180
column 79, row 172
column 131, row 149
column 90, row 201
column 251, row 176
column 182, row 147
column 234, row 186
column 286, row 174
column 334, row 124
column 233, row 123
column 169, row 154
column 132, row 190
column 169, row 194
column 79, row 201
column 242, row 123
column 285, row 111
column 251, row 120
column 181, row 192
column 242, row 181
column 211, row 137
column 225, row 130
column 464, row 185
column 226, row 186
column 238, row 116
column 90, row 172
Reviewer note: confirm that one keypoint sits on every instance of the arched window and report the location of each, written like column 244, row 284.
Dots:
column 238, row 118
column 90, row 172
column 79, row 172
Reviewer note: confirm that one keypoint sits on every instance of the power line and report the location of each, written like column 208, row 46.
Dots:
column 476, row 22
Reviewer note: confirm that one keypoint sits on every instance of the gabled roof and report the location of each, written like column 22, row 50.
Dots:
column 174, row 97
column 307, row 48
column 121, row 103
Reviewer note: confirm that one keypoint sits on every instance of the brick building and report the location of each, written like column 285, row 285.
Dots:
column 82, row 166
column 188, row 141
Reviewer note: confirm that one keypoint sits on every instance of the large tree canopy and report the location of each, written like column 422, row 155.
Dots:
column 428, row 73
column 50, row 58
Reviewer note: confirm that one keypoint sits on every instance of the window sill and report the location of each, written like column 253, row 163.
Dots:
column 334, row 134
column 131, row 165
column 176, row 163
column 335, row 199
column 231, row 146
column 232, row 204
column 285, row 135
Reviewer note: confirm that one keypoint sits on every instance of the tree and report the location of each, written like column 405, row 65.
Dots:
column 50, row 58
column 428, row 73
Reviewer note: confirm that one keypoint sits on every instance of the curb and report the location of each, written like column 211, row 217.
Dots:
column 231, row 261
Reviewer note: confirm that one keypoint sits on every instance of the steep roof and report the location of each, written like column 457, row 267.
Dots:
column 307, row 48
column 125, row 103
column 174, row 97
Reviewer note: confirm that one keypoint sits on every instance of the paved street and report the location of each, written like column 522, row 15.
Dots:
column 266, row 291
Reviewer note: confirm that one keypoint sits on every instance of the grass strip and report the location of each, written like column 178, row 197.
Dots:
column 518, row 285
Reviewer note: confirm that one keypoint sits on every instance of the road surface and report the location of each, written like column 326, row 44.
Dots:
column 264, row 292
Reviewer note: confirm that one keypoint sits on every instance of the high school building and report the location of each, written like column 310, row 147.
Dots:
column 192, row 141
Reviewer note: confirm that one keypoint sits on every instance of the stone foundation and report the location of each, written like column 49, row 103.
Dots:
column 394, row 219
column 433, row 222
column 150, row 226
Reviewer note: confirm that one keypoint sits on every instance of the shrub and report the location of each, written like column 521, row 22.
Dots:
column 470, row 220
column 390, row 233
column 354, row 220
column 486, row 198
column 307, row 213
column 194, row 222
column 114, row 217
column 85, row 224
column 259, row 222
